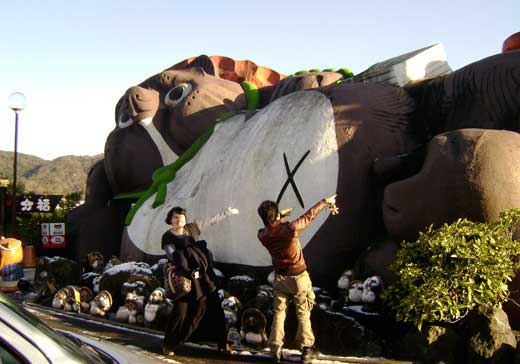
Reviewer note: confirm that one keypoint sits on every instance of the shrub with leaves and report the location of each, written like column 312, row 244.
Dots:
column 449, row 270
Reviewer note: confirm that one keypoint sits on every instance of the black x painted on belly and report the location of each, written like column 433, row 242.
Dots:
column 290, row 178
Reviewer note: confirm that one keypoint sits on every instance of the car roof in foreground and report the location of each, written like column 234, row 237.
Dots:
column 23, row 326
column 57, row 347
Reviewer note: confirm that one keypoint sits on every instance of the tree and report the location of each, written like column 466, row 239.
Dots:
column 71, row 201
column 20, row 187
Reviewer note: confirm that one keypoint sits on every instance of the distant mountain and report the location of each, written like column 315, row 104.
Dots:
column 59, row 176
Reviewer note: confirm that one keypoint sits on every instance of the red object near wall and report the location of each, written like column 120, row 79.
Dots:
column 53, row 235
column 511, row 43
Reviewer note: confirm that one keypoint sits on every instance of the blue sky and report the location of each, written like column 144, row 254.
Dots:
column 74, row 59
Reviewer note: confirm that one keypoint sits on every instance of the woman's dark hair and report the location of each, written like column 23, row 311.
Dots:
column 175, row 210
column 268, row 211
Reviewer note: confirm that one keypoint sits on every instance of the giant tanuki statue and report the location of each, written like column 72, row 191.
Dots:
column 387, row 151
column 137, row 146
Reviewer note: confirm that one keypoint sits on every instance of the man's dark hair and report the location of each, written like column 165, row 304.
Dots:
column 268, row 211
column 175, row 210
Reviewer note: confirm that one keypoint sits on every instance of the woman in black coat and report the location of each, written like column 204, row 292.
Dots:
column 194, row 260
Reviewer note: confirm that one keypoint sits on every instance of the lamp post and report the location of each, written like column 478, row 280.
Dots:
column 16, row 102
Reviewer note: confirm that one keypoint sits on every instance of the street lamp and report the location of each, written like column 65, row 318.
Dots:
column 16, row 102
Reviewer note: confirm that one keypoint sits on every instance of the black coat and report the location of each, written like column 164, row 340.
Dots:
column 195, row 260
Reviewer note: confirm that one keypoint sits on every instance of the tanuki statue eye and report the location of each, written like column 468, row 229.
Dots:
column 177, row 94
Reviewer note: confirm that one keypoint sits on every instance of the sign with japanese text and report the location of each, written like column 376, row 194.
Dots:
column 53, row 235
column 38, row 203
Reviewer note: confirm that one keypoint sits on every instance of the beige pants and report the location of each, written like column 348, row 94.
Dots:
column 299, row 288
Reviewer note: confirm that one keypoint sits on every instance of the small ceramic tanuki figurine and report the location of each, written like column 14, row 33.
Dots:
column 371, row 295
column 344, row 280
column 355, row 292
column 253, row 326
column 132, row 310
column 94, row 262
column 372, row 288
column 101, row 303
column 86, row 296
column 68, row 299
column 157, row 310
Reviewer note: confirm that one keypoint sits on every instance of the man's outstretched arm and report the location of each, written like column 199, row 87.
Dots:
column 303, row 221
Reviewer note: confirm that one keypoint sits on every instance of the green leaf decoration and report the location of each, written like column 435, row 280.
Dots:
column 347, row 73
column 315, row 70
column 252, row 95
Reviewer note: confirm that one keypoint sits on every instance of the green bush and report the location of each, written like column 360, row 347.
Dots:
column 449, row 270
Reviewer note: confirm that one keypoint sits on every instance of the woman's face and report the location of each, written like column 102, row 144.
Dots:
column 178, row 221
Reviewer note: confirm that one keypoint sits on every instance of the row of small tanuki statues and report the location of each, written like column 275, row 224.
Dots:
column 247, row 322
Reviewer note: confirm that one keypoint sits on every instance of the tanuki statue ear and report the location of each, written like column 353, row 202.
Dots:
column 205, row 63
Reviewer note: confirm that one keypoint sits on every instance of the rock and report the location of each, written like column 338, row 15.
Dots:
column 484, row 336
column 114, row 278
column 243, row 287
column 337, row 305
column 322, row 298
column 475, row 184
column 88, row 279
column 158, row 269
column 54, row 273
column 266, row 289
column 376, row 260
column 434, row 344
column 490, row 338
column 220, row 277
column 339, row 334
column 25, row 285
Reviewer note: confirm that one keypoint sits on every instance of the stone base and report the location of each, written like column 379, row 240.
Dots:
column 8, row 286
